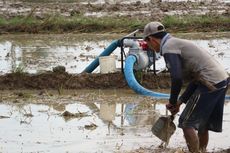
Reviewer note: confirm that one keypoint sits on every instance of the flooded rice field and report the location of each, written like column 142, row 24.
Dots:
column 88, row 121
column 96, row 120
column 40, row 53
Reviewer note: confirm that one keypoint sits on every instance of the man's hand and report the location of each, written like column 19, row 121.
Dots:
column 174, row 109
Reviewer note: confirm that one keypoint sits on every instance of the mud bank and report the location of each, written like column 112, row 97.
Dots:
column 57, row 80
column 84, row 17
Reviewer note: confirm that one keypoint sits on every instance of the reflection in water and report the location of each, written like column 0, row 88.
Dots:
column 41, row 128
column 128, row 115
column 136, row 115
column 107, row 114
column 107, row 111
column 44, row 125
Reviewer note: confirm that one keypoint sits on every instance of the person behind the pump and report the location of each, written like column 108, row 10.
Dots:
column 205, row 94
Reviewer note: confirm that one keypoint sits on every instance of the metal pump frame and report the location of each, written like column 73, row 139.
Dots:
column 132, row 36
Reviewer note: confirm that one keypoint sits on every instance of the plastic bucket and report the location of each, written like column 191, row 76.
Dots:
column 107, row 64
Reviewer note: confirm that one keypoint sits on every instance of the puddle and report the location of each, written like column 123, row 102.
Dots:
column 39, row 53
column 113, row 121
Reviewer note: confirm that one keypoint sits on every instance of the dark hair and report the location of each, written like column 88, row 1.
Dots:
column 159, row 35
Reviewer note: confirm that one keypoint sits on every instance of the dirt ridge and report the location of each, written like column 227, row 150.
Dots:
column 53, row 80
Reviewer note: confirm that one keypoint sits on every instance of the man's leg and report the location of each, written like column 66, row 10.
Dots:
column 203, row 140
column 192, row 139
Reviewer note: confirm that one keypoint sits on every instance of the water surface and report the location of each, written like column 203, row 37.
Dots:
column 111, row 121
column 39, row 53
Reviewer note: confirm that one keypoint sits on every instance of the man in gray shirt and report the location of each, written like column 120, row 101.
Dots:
column 205, row 94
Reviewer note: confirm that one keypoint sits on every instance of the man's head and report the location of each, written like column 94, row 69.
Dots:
column 153, row 33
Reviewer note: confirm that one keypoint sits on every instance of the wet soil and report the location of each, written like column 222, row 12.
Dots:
column 151, row 10
column 154, row 9
column 63, row 80
column 167, row 150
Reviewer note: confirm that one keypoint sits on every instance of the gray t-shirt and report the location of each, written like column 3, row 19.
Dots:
column 196, row 61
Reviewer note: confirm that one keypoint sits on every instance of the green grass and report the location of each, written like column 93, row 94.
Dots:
column 198, row 23
column 20, row 69
column 80, row 23
column 3, row 21
column 89, row 24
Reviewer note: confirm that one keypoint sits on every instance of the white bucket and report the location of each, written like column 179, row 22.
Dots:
column 107, row 64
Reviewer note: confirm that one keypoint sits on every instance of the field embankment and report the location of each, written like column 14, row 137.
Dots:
column 63, row 16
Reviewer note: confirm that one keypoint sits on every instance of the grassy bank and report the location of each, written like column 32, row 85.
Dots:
column 79, row 23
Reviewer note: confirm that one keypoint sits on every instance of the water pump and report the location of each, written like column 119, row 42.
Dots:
column 138, row 49
column 145, row 57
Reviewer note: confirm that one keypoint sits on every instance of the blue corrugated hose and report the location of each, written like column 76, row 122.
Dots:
column 133, row 84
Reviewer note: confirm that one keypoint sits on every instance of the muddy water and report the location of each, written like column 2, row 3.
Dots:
column 39, row 53
column 87, row 121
